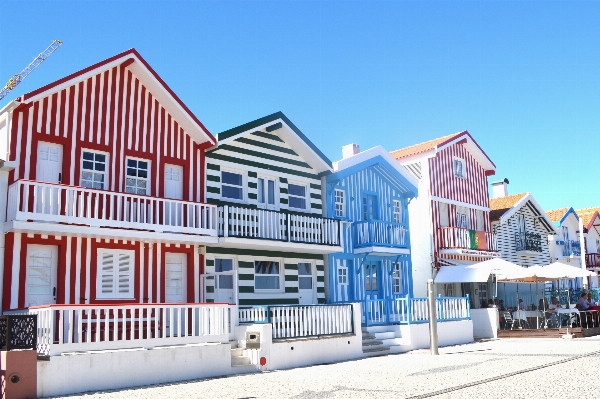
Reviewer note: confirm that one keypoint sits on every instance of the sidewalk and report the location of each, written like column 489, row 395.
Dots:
column 415, row 374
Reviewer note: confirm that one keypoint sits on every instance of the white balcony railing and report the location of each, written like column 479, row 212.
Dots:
column 311, row 320
column 460, row 238
column 242, row 222
column 67, row 328
column 48, row 202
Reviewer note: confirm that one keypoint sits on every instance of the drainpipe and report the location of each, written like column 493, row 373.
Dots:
column 582, row 250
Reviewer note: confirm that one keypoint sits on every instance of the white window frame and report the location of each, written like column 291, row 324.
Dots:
column 306, row 186
column 244, row 184
column 342, row 275
column 148, row 179
column 397, row 267
column 281, row 275
column 276, row 200
column 397, row 213
column 115, row 294
column 464, row 165
column 341, row 214
column 312, row 275
column 106, row 166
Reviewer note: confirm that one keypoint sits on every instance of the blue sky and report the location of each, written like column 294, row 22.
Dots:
column 521, row 77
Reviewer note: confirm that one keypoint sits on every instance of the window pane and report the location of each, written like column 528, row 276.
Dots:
column 226, row 281
column 294, row 189
column 142, row 173
column 296, row 202
column 231, row 178
column 132, row 163
column 100, row 157
column 143, row 165
column 305, row 283
column 266, row 283
column 261, row 191
column 131, row 172
column 266, row 267
column 232, row 192
column 304, row 269
column 100, row 167
column 223, row 265
column 88, row 165
column 271, row 192
column 88, row 155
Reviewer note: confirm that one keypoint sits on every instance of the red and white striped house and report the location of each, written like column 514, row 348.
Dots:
column 105, row 176
column 453, row 198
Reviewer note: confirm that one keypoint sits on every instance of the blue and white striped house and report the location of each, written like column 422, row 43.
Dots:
column 370, row 192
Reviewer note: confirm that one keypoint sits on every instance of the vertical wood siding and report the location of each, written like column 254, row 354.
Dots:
column 110, row 112
column 77, row 268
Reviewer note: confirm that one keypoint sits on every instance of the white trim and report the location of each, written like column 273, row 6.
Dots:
column 148, row 178
column 244, row 186
column 276, row 193
column 382, row 251
column 106, row 166
column 307, row 203
column 251, row 243
column 459, row 203
column 280, row 275
column 16, row 268
column 463, row 167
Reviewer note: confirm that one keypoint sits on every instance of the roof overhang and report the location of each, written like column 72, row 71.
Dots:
column 535, row 208
column 377, row 156
column 133, row 61
column 474, row 149
column 594, row 221
column 279, row 124
column 566, row 215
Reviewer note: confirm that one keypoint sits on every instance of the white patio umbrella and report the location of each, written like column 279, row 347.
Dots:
column 499, row 268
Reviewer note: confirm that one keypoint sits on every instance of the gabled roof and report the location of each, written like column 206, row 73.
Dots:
column 588, row 215
column 504, row 208
column 559, row 215
column 283, row 127
column 379, row 158
column 133, row 61
column 436, row 145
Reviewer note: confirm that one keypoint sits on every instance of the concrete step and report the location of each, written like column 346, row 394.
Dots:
column 384, row 335
column 240, row 361
column 246, row 369
column 367, row 336
column 377, row 329
column 372, row 343
column 237, row 352
column 395, row 341
column 234, row 344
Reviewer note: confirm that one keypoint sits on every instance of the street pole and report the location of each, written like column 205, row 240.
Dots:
column 433, row 335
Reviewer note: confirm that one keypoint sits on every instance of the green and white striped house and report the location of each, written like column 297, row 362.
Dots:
column 265, row 177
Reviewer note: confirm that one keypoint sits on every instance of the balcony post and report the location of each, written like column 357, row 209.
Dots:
column 226, row 221
column 287, row 215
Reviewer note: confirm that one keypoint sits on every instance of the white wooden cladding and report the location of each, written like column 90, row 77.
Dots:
column 32, row 200
column 64, row 328
column 380, row 233
column 305, row 321
column 245, row 222
column 456, row 237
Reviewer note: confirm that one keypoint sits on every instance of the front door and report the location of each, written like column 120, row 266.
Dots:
column 372, row 281
column 40, row 283
column 306, row 284
column 266, row 192
column 173, row 189
column 48, row 169
column 224, row 281
column 175, row 282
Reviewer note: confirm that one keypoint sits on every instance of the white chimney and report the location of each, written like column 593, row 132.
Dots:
column 350, row 150
column 500, row 189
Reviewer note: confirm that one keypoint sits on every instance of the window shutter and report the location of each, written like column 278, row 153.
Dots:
column 107, row 276
column 125, row 280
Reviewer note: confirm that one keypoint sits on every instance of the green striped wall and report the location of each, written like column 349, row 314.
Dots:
column 265, row 154
column 244, row 265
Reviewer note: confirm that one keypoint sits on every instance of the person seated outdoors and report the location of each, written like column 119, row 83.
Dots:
column 554, row 305
column 501, row 307
column 522, row 305
column 590, row 299
column 582, row 303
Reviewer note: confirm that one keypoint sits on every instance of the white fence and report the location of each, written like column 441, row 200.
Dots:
column 32, row 200
column 311, row 320
column 405, row 310
column 66, row 328
column 237, row 221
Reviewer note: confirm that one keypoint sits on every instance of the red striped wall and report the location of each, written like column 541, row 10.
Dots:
column 111, row 112
column 472, row 190
column 77, row 268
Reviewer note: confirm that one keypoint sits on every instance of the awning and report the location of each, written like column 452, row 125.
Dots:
column 461, row 274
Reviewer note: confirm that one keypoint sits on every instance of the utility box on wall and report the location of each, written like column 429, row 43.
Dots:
column 252, row 340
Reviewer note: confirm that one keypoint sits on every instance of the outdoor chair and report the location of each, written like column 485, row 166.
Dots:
column 508, row 320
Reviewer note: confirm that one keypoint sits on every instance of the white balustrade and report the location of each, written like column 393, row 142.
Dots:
column 453, row 308
column 66, row 328
column 253, row 315
column 243, row 222
column 375, row 232
column 39, row 201
column 457, row 237
column 313, row 320
column 419, row 310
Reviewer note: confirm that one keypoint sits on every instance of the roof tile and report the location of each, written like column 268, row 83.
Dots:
column 556, row 214
column 421, row 147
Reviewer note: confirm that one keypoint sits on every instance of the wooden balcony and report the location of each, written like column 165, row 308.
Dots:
column 592, row 261
column 261, row 224
column 63, row 204
column 380, row 236
column 456, row 240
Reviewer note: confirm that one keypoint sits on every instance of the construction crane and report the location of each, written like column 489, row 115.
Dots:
column 18, row 78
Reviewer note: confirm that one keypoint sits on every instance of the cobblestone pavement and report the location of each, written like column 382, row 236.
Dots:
column 511, row 368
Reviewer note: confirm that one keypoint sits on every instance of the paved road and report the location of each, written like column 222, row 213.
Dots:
column 510, row 368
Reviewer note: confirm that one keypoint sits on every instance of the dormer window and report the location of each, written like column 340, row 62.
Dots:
column 459, row 167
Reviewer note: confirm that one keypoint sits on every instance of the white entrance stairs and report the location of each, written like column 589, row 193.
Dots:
column 383, row 340
column 241, row 360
